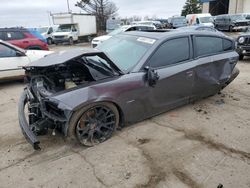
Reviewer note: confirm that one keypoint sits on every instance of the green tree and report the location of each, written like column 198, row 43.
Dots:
column 191, row 7
column 102, row 9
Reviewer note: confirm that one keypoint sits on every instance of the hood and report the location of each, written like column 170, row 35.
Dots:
column 34, row 55
column 61, row 33
column 65, row 56
column 102, row 38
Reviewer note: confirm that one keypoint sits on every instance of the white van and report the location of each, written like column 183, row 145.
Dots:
column 47, row 33
column 200, row 19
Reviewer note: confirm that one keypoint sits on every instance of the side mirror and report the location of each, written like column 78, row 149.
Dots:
column 152, row 76
column 20, row 54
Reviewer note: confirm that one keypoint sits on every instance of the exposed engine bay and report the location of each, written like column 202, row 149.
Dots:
column 53, row 79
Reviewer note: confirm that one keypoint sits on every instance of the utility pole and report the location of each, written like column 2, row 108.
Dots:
column 68, row 6
column 49, row 14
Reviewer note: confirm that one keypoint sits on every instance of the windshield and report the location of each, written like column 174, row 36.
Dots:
column 126, row 51
column 237, row 17
column 178, row 20
column 66, row 28
column 42, row 30
column 206, row 19
column 117, row 31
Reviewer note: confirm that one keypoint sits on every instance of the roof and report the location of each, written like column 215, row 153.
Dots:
column 172, row 33
column 13, row 29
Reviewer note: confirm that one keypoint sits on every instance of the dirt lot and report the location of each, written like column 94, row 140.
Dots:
column 200, row 145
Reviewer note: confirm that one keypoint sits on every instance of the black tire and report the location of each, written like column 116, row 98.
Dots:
column 75, row 124
column 89, row 39
column 71, row 41
column 230, row 28
column 49, row 41
column 241, row 57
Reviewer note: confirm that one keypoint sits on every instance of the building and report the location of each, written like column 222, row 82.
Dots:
column 217, row 7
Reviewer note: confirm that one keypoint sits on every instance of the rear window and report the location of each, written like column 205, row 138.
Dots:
column 228, row 45
column 14, row 35
column 208, row 45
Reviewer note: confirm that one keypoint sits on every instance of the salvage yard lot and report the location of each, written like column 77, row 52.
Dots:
column 199, row 145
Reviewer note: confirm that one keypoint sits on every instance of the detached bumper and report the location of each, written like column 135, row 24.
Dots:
column 28, row 134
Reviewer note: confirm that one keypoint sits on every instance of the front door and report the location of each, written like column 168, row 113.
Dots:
column 174, row 65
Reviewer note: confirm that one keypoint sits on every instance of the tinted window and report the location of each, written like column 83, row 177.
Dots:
column 14, row 35
column 171, row 52
column 2, row 35
column 228, row 45
column 208, row 45
column 6, row 51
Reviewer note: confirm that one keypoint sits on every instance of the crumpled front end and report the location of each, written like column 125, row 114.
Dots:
column 41, row 115
column 51, row 77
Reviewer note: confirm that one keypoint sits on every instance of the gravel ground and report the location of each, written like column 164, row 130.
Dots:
column 199, row 145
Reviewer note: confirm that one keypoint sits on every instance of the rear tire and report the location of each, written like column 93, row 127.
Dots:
column 93, row 124
column 241, row 57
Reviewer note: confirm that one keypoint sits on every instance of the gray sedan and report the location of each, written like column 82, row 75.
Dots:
column 88, row 93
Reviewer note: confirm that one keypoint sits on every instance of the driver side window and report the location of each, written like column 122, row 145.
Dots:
column 171, row 52
column 5, row 51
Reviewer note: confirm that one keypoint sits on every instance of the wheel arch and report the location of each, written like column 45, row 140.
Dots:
column 120, row 111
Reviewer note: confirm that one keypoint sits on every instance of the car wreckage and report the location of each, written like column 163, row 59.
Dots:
column 88, row 93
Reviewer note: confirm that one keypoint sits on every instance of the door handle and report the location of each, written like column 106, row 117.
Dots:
column 190, row 73
column 25, row 41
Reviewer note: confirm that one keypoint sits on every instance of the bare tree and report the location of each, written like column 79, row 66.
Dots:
column 102, row 9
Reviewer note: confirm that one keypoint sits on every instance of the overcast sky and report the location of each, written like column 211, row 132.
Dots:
column 34, row 13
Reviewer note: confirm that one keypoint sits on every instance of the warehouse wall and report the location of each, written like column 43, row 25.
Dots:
column 246, row 7
column 235, row 6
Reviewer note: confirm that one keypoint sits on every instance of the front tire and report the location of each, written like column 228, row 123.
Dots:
column 49, row 41
column 71, row 41
column 231, row 28
column 94, row 124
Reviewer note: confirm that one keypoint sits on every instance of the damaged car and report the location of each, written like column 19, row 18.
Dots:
column 87, row 94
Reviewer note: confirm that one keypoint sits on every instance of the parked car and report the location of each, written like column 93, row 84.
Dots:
column 155, row 23
column 200, row 28
column 243, row 44
column 22, row 38
column 233, row 22
column 88, row 93
column 200, row 19
column 47, row 33
column 38, row 35
column 13, row 58
column 177, row 22
column 98, row 40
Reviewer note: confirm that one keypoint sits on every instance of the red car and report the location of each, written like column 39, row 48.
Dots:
column 23, row 38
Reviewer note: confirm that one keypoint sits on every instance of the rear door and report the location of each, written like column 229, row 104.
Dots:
column 10, row 62
column 174, row 65
column 215, row 59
